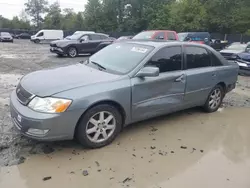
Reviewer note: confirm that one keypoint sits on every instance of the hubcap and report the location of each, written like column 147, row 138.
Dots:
column 72, row 52
column 215, row 99
column 100, row 127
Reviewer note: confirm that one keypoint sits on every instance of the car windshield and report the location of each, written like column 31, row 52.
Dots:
column 5, row 34
column 125, row 56
column 144, row 35
column 237, row 47
column 182, row 36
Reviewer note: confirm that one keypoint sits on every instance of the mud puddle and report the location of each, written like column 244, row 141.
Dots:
column 186, row 149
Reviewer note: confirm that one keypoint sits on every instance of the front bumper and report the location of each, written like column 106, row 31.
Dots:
column 54, row 126
column 6, row 40
column 57, row 50
column 244, row 68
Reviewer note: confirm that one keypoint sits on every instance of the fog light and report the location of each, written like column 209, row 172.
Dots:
column 37, row 132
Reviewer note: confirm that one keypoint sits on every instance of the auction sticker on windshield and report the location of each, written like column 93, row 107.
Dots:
column 139, row 49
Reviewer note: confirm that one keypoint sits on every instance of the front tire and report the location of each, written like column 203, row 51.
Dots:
column 214, row 99
column 72, row 52
column 99, row 126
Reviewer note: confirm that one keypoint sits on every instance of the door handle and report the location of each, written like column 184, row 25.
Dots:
column 180, row 78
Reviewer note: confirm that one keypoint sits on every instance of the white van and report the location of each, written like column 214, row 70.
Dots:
column 47, row 35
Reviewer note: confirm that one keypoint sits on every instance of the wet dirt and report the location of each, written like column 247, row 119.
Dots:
column 216, row 154
column 185, row 149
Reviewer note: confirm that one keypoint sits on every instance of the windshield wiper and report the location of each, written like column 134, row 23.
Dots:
column 98, row 65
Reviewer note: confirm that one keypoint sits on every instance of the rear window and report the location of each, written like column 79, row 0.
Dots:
column 144, row 35
column 171, row 36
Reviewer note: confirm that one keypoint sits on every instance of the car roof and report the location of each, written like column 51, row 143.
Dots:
column 160, row 31
column 161, row 43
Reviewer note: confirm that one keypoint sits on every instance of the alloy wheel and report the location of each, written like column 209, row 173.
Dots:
column 215, row 98
column 100, row 127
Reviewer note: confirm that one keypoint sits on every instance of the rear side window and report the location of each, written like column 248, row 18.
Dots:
column 95, row 37
column 103, row 37
column 197, row 57
column 160, row 35
column 167, row 59
column 171, row 36
column 215, row 61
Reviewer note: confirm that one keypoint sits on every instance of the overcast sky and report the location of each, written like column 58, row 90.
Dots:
column 10, row 8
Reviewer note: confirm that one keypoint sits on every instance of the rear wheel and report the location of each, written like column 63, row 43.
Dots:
column 99, row 126
column 37, row 41
column 214, row 99
column 72, row 52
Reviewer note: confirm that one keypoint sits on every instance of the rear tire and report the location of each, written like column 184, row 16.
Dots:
column 37, row 41
column 214, row 99
column 95, row 130
column 72, row 52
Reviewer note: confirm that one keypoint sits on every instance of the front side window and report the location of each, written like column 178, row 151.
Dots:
column 197, row 57
column 167, row 59
column 40, row 34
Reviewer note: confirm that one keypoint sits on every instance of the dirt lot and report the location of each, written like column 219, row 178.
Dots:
column 185, row 149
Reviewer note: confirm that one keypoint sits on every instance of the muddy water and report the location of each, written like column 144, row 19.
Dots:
column 186, row 149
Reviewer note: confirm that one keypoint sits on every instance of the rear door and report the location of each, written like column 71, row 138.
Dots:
column 152, row 96
column 94, row 41
column 201, row 75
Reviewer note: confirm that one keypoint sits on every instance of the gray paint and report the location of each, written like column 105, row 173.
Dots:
column 140, row 98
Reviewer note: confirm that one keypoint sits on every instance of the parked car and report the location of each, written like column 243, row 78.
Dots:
column 47, row 35
column 218, row 45
column 5, row 37
column 243, row 60
column 80, row 44
column 23, row 36
column 157, row 34
column 196, row 37
column 119, row 85
column 231, row 51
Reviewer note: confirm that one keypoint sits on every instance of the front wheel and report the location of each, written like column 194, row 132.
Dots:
column 214, row 99
column 99, row 126
column 72, row 52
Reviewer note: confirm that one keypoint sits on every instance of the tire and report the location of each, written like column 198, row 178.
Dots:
column 72, row 52
column 214, row 99
column 59, row 55
column 88, row 139
column 37, row 41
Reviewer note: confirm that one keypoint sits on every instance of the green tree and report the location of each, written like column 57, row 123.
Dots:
column 35, row 9
column 187, row 15
column 53, row 18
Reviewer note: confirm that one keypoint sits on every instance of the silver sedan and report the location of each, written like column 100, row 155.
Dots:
column 124, row 83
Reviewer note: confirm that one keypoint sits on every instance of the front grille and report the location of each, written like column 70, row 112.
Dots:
column 23, row 96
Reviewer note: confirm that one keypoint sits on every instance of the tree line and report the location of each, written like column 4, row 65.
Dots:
column 223, row 16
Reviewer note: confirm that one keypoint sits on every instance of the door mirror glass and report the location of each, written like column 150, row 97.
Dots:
column 148, row 72
column 248, row 49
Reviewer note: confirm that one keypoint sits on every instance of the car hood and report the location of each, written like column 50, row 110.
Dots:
column 244, row 56
column 63, row 42
column 48, row 82
column 231, row 51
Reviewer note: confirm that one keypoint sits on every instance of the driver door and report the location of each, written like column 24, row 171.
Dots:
column 83, row 45
column 153, row 96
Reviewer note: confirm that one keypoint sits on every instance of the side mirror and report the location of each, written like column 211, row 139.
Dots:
column 148, row 72
column 206, row 40
column 82, row 40
column 248, row 50
column 161, row 37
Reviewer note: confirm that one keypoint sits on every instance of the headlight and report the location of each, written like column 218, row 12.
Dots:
column 49, row 104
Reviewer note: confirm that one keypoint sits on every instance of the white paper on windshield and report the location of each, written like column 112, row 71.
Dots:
column 138, row 49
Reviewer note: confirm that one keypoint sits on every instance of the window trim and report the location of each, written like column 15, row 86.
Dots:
column 182, row 59
column 185, row 57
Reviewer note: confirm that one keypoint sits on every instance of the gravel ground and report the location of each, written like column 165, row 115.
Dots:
column 22, row 57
